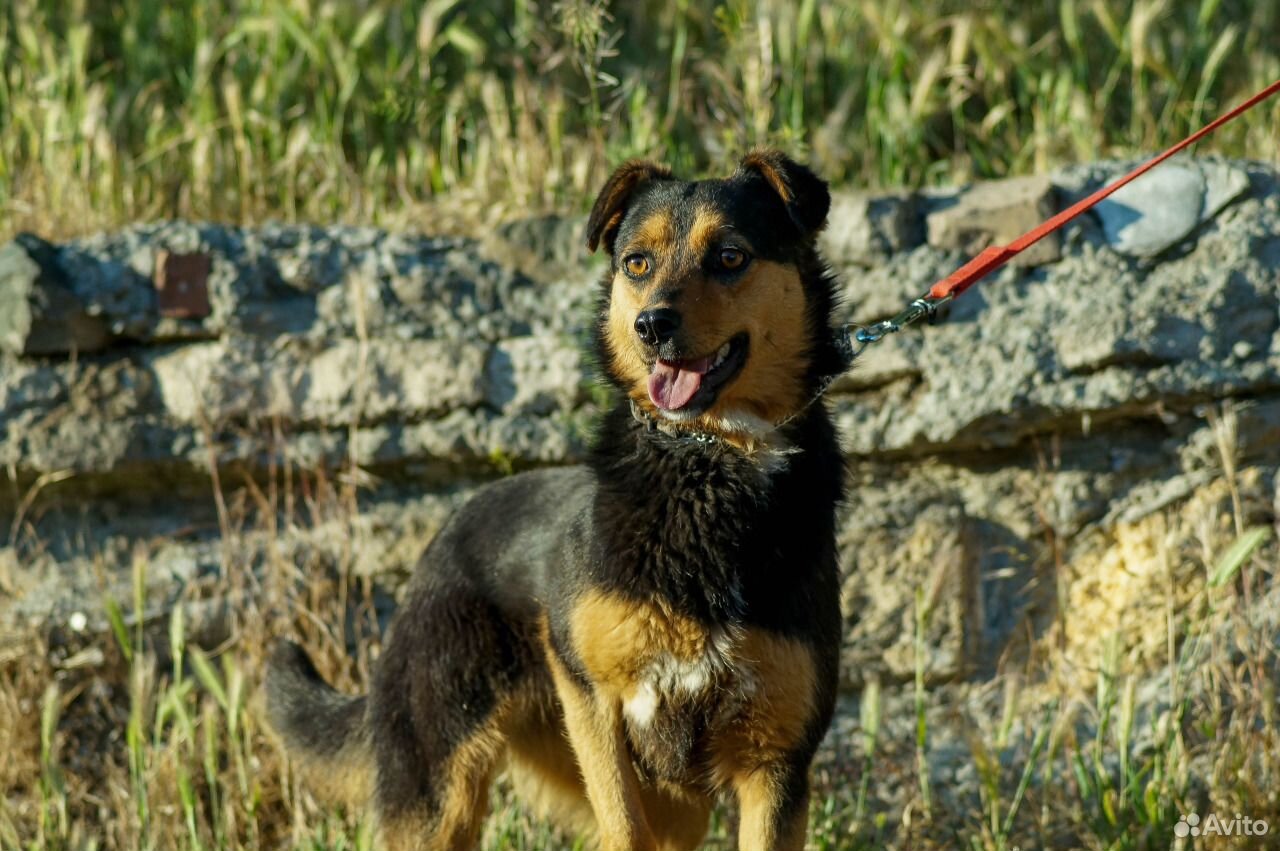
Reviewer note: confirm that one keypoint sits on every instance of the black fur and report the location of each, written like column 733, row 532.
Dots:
column 701, row 526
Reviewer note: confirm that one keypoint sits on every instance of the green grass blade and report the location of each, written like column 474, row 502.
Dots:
column 1237, row 554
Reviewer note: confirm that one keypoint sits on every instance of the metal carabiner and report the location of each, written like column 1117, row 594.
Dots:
column 861, row 336
column 923, row 306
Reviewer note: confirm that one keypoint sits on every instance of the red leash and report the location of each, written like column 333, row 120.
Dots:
column 996, row 256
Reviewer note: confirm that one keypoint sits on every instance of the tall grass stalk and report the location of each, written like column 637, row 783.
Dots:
column 373, row 111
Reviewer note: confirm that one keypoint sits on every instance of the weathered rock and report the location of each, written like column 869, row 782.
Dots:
column 1163, row 207
column 864, row 229
column 542, row 247
column 932, row 565
column 1087, row 339
column 1048, row 409
column 1155, row 211
column 39, row 314
column 1224, row 183
column 996, row 213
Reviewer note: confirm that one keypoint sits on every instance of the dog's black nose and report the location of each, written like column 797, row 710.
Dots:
column 656, row 327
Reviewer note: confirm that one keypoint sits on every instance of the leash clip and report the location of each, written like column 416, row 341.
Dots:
column 926, row 306
column 852, row 339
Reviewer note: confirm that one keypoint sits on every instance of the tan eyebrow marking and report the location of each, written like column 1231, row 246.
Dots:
column 657, row 232
column 707, row 223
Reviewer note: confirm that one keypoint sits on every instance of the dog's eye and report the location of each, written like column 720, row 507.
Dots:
column 636, row 265
column 732, row 259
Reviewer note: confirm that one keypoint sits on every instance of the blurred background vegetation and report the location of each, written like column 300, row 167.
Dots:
column 376, row 111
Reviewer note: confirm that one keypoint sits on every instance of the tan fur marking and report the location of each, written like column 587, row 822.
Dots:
column 545, row 775
column 769, row 304
column 782, row 705
column 614, row 222
column 544, row 771
column 344, row 778
column 617, row 639
column 470, row 773
column 588, row 779
column 707, row 224
column 786, row 679
column 625, row 304
column 627, row 298
column 656, row 234
column 749, row 756
column 405, row 833
column 762, row 827
column 764, row 162
column 678, row 816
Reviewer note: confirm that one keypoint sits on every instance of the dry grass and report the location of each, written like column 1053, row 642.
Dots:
column 1124, row 717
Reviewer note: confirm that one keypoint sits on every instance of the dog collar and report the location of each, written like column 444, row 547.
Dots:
column 769, row 451
column 652, row 423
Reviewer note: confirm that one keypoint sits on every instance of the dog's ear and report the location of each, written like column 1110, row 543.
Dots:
column 611, row 203
column 803, row 193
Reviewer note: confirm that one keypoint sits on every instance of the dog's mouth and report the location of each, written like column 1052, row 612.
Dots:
column 690, row 385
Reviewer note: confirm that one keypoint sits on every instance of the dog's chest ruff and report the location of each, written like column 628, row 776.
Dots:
column 678, row 682
column 679, row 704
column 672, row 683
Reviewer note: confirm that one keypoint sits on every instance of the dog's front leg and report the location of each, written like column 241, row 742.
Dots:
column 595, row 727
column 773, row 801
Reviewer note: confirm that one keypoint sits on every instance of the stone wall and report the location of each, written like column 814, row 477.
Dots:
column 1055, row 408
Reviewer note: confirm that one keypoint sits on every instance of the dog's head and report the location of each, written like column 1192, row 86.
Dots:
column 716, row 307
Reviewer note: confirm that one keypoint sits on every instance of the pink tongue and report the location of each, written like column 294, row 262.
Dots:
column 672, row 385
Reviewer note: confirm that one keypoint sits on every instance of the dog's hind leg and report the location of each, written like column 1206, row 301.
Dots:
column 678, row 816
column 774, row 804
column 451, row 673
column 450, row 816
column 545, row 773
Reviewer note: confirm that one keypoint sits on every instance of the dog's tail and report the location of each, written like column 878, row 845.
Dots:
column 323, row 730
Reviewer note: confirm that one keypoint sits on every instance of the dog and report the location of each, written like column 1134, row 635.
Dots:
column 634, row 636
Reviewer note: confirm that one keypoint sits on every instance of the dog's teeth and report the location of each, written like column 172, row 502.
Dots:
column 722, row 354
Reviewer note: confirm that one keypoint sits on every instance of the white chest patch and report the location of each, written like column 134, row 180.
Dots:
column 671, row 681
